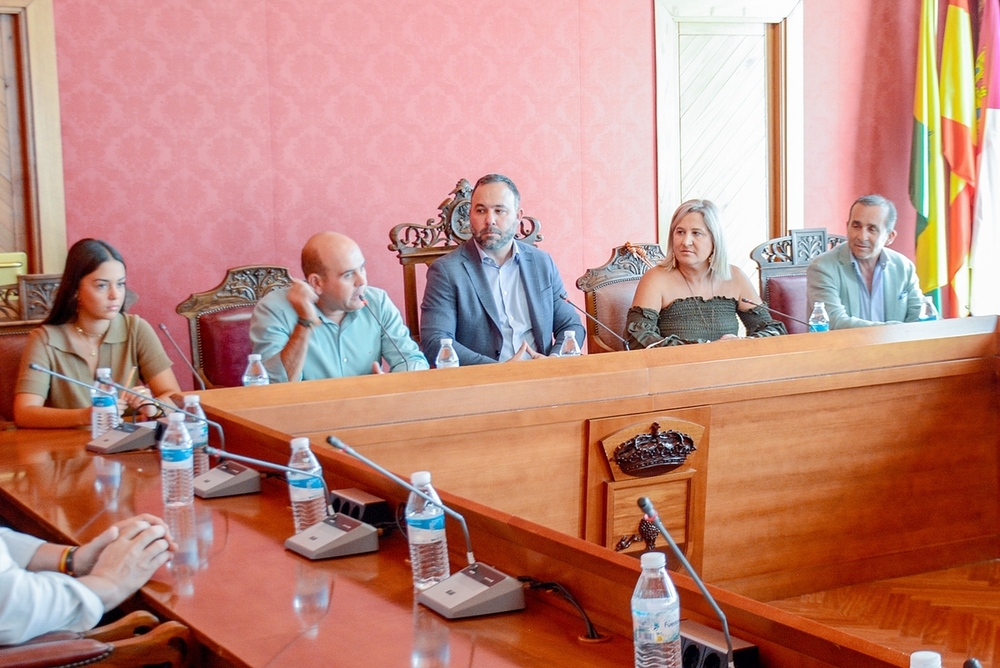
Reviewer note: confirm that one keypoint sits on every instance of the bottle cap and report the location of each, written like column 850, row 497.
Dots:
column 569, row 334
column 191, row 399
column 653, row 560
column 445, row 342
column 103, row 372
column 925, row 659
column 300, row 442
column 253, row 357
column 176, row 417
column 420, row 478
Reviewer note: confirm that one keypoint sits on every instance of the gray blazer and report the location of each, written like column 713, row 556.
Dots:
column 458, row 305
column 831, row 279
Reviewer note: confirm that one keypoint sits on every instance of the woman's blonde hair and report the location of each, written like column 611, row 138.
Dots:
column 718, row 262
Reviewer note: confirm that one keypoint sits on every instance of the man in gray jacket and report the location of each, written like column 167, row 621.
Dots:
column 862, row 282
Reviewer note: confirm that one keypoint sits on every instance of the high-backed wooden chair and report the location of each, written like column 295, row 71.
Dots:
column 609, row 290
column 423, row 244
column 138, row 639
column 219, row 321
column 782, row 262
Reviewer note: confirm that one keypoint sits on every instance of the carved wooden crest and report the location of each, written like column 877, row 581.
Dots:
column 797, row 248
column 628, row 263
column 653, row 453
column 242, row 286
column 451, row 229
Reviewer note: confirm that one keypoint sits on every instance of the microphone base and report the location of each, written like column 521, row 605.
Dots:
column 126, row 437
column 474, row 591
column 227, row 479
column 337, row 536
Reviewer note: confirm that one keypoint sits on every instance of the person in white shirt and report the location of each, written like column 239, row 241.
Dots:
column 47, row 587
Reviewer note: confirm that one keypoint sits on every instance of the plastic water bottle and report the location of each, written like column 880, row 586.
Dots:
column 305, row 491
column 819, row 321
column 255, row 373
column 447, row 358
column 425, row 530
column 198, row 430
column 104, row 404
column 925, row 659
column 656, row 616
column 927, row 309
column 176, row 463
column 570, row 347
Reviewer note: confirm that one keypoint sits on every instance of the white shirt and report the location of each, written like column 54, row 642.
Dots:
column 32, row 604
column 872, row 302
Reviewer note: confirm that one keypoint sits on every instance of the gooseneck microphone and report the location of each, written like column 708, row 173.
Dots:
column 406, row 362
column 647, row 507
column 343, row 447
column 197, row 376
column 338, row 535
column 775, row 311
column 475, row 590
column 594, row 320
column 170, row 407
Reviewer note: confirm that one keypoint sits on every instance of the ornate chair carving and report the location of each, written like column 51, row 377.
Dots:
column 783, row 263
column 219, row 321
column 138, row 639
column 423, row 244
column 609, row 290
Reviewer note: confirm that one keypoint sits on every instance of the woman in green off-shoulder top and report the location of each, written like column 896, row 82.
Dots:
column 695, row 295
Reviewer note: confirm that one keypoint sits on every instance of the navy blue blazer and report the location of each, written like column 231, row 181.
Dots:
column 458, row 304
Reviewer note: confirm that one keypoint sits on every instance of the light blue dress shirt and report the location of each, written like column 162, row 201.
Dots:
column 511, row 300
column 335, row 351
column 873, row 301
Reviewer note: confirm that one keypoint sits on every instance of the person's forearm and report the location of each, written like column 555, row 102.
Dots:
column 46, row 557
column 45, row 417
column 293, row 355
column 110, row 593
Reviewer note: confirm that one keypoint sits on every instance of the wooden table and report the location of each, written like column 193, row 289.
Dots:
column 238, row 593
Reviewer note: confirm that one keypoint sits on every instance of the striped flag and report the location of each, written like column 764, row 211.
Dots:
column 958, row 119
column 926, row 163
column 985, row 258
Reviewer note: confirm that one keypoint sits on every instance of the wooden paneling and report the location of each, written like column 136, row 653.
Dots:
column 836, row 458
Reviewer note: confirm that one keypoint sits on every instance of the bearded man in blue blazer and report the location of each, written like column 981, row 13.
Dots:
column 496, row 298
column 862, row 282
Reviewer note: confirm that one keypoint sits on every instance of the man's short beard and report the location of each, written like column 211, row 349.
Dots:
column 504, row 239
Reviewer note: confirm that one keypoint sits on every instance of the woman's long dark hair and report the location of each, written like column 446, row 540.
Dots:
column 84, row 257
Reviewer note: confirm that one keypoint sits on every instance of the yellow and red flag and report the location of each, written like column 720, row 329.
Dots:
column 958, row 119
column 926, row 163
column 985, row 259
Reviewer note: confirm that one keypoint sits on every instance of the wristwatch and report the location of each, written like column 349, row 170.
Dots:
column 306, row 323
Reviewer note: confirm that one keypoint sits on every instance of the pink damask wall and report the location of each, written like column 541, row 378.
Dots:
column 201, row 136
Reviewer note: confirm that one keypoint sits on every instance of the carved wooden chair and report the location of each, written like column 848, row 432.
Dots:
column 423, row 244
column 609, row 290
column 219, row 321
column 138, row 639
column 782, row 262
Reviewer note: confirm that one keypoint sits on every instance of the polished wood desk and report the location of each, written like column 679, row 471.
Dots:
column 240, row 598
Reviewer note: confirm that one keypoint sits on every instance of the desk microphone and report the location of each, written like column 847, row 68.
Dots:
column 223, row 480
column 647, row 507
column 775, row 311
column 406, row 362
column 125, row 437
column 597, row 322
column 338, row 535
column 475, row 590
column 197, row 376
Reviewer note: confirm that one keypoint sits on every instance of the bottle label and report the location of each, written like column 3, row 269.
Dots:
column 424, row 530
column 103, row 401
column 656, row 627
column 304, row 488
column 176, row 458
column 819, row 327
column 198, row 432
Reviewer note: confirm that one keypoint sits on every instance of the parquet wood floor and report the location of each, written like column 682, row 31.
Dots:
column 955, row 612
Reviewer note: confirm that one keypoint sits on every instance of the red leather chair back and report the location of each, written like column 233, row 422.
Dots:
column 11, row 347
column 788, row 295
column 225, row 344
